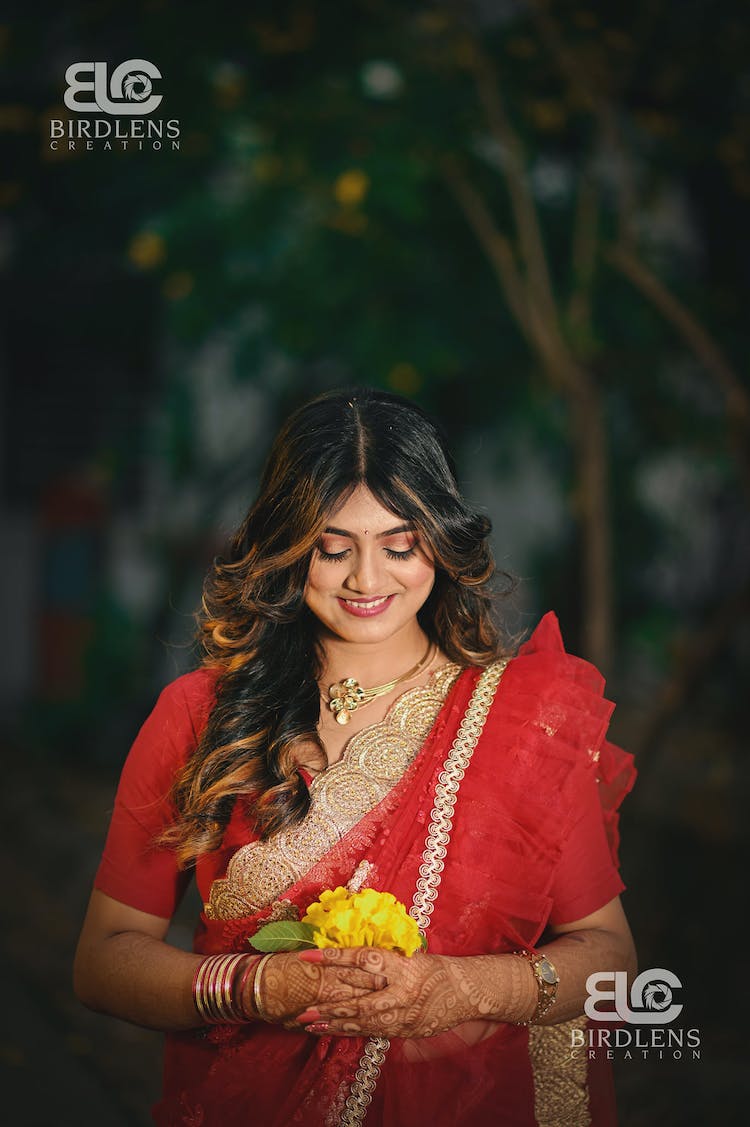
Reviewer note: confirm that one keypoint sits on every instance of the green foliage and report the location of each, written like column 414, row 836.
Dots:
column 285, row 935
column 307, row 227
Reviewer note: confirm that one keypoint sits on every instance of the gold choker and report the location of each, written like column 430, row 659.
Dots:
column 347, row 695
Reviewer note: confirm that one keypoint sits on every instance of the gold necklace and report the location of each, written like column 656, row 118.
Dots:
column 347, row 695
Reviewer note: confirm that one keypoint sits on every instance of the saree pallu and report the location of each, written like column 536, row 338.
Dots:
column 471, row 845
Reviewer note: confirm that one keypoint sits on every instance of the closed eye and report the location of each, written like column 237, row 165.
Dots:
column 334, row 555
column 400, row 555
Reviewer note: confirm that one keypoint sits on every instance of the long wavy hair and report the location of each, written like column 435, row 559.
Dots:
column 257, row 632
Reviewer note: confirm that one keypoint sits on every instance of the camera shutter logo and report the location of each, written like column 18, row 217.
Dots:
column 129, row 90
column 650, row 1001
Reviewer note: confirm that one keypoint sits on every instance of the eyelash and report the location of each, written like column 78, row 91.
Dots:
column 338, row 556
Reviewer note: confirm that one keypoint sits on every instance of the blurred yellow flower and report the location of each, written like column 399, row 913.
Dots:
column 404, row 378
column 363, row 919
column 351, row 187
column 147, row 250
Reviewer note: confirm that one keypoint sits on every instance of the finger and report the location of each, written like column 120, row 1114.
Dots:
column 336, row 996
column 353, row 976
column 366, row 958
column 347, row 1009
column 342, row 993
column 338, row 1029
column 370, row 1008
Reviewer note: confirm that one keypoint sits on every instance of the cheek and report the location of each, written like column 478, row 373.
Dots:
column 315, row 580
column 421, row 575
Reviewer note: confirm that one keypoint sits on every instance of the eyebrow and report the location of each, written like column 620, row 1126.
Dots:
column 380, row 536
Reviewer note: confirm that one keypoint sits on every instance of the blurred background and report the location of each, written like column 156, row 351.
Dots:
column 530, row 218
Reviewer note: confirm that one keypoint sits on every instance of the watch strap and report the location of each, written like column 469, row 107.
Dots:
column 547, row 980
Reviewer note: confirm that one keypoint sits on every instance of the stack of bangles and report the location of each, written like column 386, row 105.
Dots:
column 219, row 987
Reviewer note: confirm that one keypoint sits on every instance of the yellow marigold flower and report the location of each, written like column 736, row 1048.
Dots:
column 351, row 187
column 362, row 919
column 147, row 250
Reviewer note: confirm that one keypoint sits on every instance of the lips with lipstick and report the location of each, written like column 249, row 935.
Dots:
column 366, row 608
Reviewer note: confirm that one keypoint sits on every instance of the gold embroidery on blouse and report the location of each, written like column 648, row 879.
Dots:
column 282, row 910
column 430, row 871
column 560, row 1092
column 372, row 763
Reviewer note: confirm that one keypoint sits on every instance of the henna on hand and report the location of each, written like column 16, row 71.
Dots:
column 289, row 986
column 428, row 994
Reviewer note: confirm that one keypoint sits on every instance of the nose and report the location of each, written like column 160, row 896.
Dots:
column 366, row 573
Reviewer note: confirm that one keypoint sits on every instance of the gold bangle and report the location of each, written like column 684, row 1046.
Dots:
column 547, row 981
column 211, row 983
column 213, row 989
column 198, row 995
column 256, row 988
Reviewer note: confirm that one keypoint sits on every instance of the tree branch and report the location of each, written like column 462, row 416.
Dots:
column 578, row 79
column 687, row 325
column 521, row 199
column 589, row 437
column 697, row 653
column 491, row 239
column 585, row 246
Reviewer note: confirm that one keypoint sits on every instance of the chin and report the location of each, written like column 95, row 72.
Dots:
column 366, row 631
column 379, row 629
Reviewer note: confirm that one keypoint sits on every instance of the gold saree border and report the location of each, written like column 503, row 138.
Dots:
column 561, row 1097
column 431, row 869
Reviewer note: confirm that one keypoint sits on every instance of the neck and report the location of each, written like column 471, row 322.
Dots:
column 373, row 663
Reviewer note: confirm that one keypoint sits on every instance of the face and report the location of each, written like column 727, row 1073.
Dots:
column 369, row 574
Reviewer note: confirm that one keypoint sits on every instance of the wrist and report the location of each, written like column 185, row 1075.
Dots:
column 546, row 981
column 481, row 986
column 499, row 988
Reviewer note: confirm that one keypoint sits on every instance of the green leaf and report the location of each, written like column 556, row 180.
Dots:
column 285, row 935
column 423, row 939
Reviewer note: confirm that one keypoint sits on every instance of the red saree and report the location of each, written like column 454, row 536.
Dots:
column 472, row 837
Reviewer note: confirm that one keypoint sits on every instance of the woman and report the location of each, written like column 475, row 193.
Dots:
column 478, row 789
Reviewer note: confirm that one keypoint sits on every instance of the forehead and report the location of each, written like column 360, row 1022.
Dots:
column 363, row 511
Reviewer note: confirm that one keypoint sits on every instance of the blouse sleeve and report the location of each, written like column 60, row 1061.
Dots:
column 575, row 713
column 134, row 869
column 586, row 878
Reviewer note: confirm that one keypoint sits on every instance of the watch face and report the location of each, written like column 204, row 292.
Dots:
column 548, row 972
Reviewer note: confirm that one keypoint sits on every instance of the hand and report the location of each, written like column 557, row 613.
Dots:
column 425, row 995
column 289, row 986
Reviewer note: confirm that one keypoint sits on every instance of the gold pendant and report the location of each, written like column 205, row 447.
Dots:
column 345, row 698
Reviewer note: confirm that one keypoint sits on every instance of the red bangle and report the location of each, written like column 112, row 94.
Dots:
column 250, row 967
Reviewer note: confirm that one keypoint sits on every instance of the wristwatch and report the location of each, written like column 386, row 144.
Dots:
column 547, row 980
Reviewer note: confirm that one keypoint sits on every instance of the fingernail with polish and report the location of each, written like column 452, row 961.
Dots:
column 315, row 955
column 308, row 1016
column 317, row 1027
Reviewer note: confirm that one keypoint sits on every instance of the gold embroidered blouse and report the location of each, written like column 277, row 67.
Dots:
column 373, row 761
